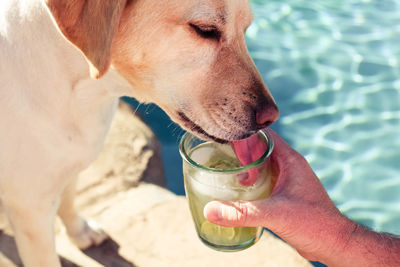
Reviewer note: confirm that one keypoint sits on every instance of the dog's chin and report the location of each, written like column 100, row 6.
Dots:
column 197, row 130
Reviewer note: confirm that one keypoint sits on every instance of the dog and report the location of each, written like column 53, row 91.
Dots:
column 63, row 67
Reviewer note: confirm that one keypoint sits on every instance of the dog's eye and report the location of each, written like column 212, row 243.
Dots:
column 206, row 31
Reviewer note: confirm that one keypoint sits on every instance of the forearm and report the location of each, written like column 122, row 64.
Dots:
column 367, row 248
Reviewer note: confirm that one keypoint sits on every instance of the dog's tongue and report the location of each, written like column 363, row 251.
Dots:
column 247, row 151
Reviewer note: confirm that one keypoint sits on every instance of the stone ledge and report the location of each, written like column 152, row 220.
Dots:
column 148, row 225
column 165, row 236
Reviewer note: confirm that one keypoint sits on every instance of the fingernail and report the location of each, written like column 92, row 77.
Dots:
column 213, row 212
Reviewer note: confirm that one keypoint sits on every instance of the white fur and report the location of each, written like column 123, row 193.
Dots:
column 54, row 119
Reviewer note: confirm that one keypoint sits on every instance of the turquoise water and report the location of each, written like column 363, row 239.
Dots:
column 333, row 67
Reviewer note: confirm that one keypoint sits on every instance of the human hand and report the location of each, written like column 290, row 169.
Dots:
column 299, row 210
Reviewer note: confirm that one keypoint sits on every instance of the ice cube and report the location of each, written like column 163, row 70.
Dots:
column 213, row 186
column 202, row 154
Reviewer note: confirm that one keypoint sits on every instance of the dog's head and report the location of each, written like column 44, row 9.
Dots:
column 189, row 57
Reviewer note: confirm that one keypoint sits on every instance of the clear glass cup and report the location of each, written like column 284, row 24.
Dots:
column 213, row 171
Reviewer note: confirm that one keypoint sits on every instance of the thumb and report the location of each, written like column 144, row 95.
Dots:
column 238, row 213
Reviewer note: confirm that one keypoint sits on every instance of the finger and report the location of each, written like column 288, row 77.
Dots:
column 278, row 161
column 281, row 148
column 284, row 161
column 238, row 213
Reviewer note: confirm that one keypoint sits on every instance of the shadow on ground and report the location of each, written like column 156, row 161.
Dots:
column 107, row 254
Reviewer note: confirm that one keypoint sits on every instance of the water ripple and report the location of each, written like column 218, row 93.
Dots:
column 333, row 68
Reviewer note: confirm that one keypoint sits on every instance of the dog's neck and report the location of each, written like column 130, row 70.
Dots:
column 45, row 81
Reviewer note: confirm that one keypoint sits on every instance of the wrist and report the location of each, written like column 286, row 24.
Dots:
column 331, row 236
column 339, row 242
column 363, row 247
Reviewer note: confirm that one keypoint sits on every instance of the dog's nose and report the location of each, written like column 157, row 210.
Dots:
column 266, row 114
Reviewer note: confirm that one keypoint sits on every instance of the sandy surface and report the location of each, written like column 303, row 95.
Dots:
column 147, row 224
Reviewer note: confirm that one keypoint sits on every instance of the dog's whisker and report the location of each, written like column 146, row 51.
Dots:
column 177, row 129
column 179, row 136
column 137, row 108
column 172, row 124
column 149, row 108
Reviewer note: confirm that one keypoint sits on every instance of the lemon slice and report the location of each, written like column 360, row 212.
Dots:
column 217, row 234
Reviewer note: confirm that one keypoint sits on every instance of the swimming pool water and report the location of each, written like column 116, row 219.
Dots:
column 333, row 67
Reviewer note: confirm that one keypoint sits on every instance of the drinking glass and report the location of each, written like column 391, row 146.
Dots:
column 214, row 171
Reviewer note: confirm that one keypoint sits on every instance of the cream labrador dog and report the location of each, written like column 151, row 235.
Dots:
column 189, row 57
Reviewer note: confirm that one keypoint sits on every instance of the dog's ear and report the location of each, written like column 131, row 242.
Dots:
column 90, row 25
